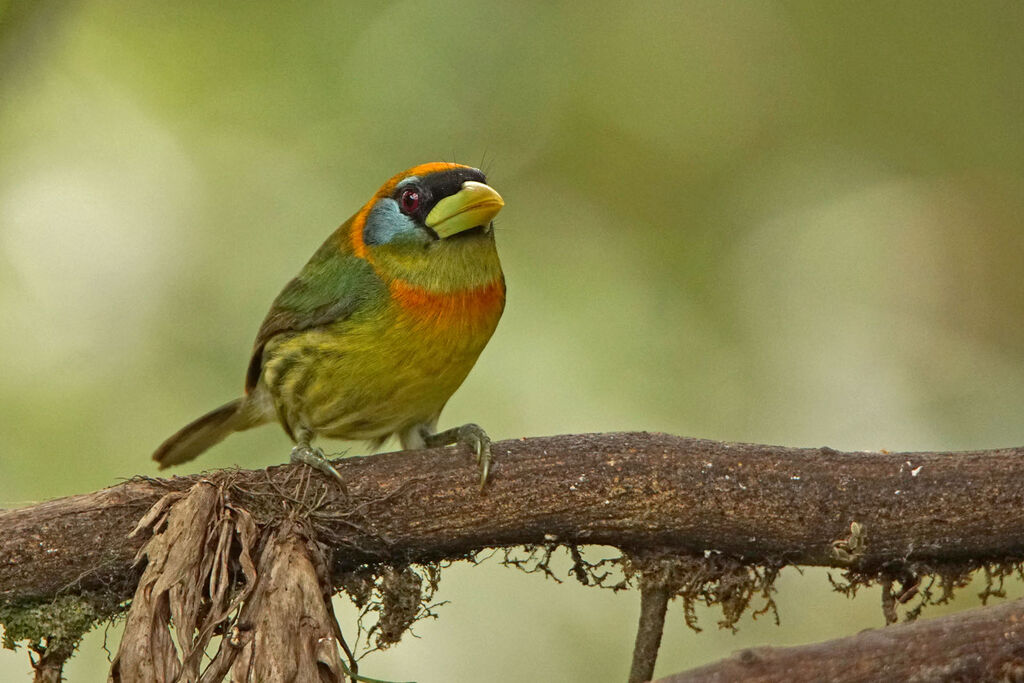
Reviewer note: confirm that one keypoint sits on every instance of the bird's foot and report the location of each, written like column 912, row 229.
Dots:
column 471, row 435
column 315, row 458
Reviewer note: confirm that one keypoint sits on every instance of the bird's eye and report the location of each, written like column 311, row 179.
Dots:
column 409, row 201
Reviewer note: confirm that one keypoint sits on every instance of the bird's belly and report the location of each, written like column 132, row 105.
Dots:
column 365, row 382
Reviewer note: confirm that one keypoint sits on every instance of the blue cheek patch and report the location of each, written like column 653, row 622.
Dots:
column 386, row 224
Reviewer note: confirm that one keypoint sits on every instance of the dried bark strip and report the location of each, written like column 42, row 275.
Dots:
column 171, row 579
column 277, row 618
column 190, row 579
column 984, row 644
column 632, row 490
column 295, row 636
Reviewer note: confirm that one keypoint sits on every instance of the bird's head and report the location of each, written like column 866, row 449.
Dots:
column 428, row 206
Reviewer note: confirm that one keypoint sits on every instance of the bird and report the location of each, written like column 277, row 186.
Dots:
column 378, row 329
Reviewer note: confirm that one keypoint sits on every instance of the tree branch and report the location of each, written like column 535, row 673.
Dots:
column 635, row 490
column 984, row 644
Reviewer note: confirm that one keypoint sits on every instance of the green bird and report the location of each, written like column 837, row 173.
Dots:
column 378, row 329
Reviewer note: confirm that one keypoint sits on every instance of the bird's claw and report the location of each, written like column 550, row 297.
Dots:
column 315, row 458
column 471, row 435
column 476, row 438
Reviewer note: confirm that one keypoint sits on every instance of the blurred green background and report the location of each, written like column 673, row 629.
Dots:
column 793, row 223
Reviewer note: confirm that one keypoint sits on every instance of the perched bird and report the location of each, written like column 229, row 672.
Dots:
column 378, row 329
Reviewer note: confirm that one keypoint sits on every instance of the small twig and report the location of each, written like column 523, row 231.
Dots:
column 889, row 603
column 654, row 599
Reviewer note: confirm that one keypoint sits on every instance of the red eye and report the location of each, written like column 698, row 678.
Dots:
column 409, row 201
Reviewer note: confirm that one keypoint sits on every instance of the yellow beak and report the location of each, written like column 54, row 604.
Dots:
column 476, row 204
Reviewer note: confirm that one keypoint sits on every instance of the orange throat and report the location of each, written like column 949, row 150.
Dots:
column 465, row 307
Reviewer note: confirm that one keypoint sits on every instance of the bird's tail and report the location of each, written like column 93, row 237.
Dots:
column 205, row 432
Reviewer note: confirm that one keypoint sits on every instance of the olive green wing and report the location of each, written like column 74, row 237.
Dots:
column 331, row 287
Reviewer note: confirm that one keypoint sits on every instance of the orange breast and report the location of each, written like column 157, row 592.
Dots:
column 462, row 308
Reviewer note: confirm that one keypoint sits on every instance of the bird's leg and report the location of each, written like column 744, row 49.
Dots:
column 314, row 457
column 471, row 435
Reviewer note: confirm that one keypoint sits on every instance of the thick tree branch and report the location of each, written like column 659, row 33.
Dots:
column 635, row 490
column 985, row 644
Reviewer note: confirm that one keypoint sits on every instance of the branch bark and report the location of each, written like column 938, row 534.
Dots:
column 984, row 644
column 49, row 667
column 636, row 490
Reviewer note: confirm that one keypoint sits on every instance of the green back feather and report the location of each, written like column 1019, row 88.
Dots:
column 330, row 287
